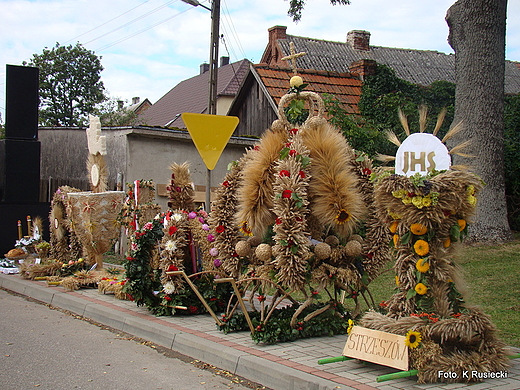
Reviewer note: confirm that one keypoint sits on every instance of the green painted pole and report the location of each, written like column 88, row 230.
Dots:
column 334, row 359
column 396, row 375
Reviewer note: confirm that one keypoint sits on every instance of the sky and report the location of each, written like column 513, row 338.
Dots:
column 148, row 47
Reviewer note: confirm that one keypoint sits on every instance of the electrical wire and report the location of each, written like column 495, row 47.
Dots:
column 131, row 21
column 140, row 31
column 229, row 20
column 105, row 23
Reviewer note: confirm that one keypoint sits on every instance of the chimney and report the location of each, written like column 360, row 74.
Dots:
column 224, row 61
column 136, row 100
column 359, row 40
column 120, row 104
column 363, row 68
column 277, row 32
column 204, row 68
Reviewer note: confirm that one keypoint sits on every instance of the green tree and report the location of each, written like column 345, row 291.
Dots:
column 110, row 114
column 296, row 7
column 70, row 84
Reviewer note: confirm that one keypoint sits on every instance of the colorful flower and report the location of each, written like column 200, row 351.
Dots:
column 172, row 268
column 462, row 224
column 217, row 262
column 417, row 201
column 342, row 217
column 278, row 221
column 192, row 215
column 220, row 229
column 172, row 230
column 225, row 183
column 447, row 243
column 245, row 230
column 472, row 200
column 421, row 247
column 413, row 339
column 286, row 194
column 213, row 252
column 284, row 172
column 210, row 237
column 170, row 246
column 169, row 288
column 148, row 226
column 418, row 229
column 421, row 289
column 422, row 265
column 293, row 152
column 395, row 240
column 294, row 130
column 397, row 283
column 350, row 325
column 393, row 226
column 302, row 174
column 205, row 227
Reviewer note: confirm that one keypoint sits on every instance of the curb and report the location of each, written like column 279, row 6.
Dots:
column 183, row 340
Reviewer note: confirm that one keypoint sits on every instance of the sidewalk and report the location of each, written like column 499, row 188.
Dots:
column 284, row 366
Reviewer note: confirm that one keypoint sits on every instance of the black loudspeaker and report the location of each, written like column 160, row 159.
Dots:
column 19, row 171
column 21, row 102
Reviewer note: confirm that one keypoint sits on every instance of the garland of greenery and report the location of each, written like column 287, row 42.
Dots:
column 278, row 329
column 144, row 286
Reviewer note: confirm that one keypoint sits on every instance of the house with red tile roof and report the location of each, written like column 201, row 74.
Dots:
column 192, row 95
column 355, row 54
column 256, row 104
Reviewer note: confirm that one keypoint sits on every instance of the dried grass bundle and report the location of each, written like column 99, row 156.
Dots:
column 97, row 172
column 174, row 248
column 333, row 192
column 224, row 208
column 95, row 220
column 181, row 188
column 255, row 195
column 290, row 188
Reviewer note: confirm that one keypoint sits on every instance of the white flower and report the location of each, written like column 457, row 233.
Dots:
column 170, row 246
column 169, row 288
column 177, row 217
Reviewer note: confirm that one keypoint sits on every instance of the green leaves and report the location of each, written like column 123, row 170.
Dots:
column 70, row 84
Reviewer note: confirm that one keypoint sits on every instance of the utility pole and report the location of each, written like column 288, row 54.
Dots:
column 213, row 74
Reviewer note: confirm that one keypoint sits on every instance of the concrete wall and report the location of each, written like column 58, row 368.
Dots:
column 138, row 153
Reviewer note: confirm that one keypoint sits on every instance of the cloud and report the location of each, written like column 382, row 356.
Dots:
column 147, row 47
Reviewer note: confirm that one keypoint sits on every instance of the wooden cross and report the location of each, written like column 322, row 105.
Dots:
column 292, row 57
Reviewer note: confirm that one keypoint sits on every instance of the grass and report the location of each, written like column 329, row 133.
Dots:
column 492, row 277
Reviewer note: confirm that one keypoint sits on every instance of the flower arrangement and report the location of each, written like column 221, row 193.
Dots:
column 426, row 215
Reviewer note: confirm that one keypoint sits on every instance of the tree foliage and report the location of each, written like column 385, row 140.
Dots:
column 296, row 7
column 381, row 97
column 70, row 84
column 110, row 114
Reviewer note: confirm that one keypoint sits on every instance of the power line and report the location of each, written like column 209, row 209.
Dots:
column 229, row 20
column 140, row 31
column 132, row 21
column 108, row 21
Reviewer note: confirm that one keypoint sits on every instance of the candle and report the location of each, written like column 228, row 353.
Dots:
column 20, row 230
column 28, row 225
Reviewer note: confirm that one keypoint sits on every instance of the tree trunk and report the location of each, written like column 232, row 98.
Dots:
column 477, row 35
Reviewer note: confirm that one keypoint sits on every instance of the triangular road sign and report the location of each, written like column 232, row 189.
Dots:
column 210, row 134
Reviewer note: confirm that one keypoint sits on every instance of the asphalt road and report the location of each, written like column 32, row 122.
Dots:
column 45, row 348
